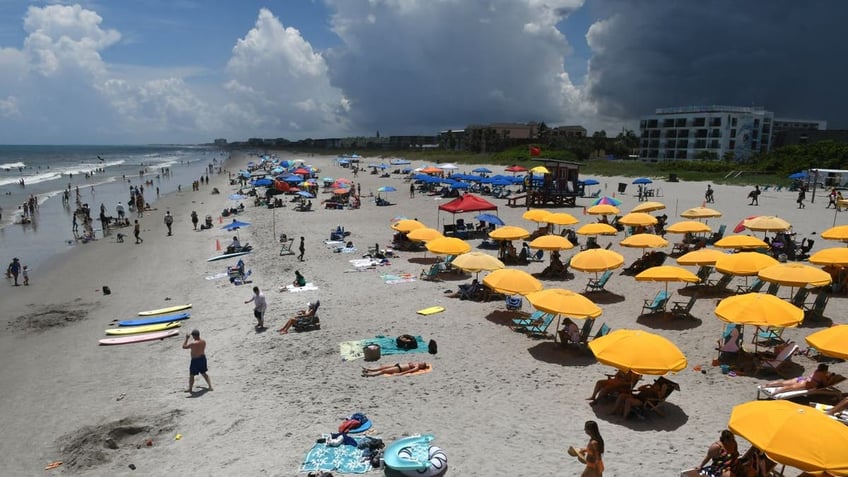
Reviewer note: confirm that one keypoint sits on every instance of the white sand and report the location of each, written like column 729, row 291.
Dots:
column 499, row 402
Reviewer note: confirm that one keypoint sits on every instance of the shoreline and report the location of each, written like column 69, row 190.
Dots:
column 492, row 391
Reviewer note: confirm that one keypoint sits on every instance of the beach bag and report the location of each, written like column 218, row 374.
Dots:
column 432, row 347
column 107, row 290
column 406, row 342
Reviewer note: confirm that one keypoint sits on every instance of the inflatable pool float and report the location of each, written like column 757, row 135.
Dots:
column 414, row 456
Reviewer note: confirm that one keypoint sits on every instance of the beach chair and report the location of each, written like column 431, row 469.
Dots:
column 655, row 403
column 680, row 248
column 773, row 289
column 287, row 243
column 539, row 327
column 754, row 287
column 596, row 285
column 778, row 363
column 716, row 236
column 771, row 335
column 730, row 343
column 800, row 297
column 527, row 320
column 432, row 274
column 816, row 310
column 681, row 309
column 656, row 305
column 721, row 283
column 603, row 331
column 828, row 391
column 585, row 331
column 473, row 291
column 704, row 272
column 310, row 321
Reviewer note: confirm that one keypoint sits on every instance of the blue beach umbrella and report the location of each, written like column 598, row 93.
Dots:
column 590, row 182
column 386, row 189
column 481, row 170
column 490, row 218
column 262, row 182
column 458, row 185
column 799, row 175
column 305, row 194
column 235, row 224
column 643, row 180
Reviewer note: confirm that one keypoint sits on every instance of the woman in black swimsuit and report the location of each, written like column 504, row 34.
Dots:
column 396, row 369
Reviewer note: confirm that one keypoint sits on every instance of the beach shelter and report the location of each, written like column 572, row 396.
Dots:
column 448, row 246
column 603, row 209
column 700, row 213
column 515, row 168
column 840, row 232
column 407, row 225
column 509, row 232
column 644, row 241
column 551, row 242
column 596, row 260
column 831, row 341
column 477, row 262
column 512, row 282
column 666, row 274
column 740, row 242
column 759, row 309
column 424, row 234
column 688, row 226
column 793, row 434
column 468, row 203
column 536, row 215
column 744, row 263
column 638, row 219
column 837, row 256
column 638, row 351
column 649, row 206
column 767, row 223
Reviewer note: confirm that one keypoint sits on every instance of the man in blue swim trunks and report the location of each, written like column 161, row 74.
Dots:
column 198, row 359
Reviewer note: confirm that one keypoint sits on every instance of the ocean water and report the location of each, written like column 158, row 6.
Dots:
column 103, row 175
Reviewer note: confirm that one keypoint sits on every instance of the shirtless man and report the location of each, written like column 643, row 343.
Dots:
column 396, row 369
column 198, row 359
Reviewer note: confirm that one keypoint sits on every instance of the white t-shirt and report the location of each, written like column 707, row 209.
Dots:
column 259, row 302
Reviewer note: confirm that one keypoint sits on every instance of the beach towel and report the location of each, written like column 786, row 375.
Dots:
column 217, row 276
column 333, row 243
column 344, row 459
column 394, row 279
column 419, row 371
column 351, row 350
column 308, row 287
column 364, row 262
column 344, row 250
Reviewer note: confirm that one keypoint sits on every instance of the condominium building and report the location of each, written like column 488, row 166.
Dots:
column 696, row 132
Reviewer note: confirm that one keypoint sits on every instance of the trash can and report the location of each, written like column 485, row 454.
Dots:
column 621, row 187
column 672, row 177
column 371, row 352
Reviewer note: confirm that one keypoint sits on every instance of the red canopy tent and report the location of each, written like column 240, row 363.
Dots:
column 467, row 203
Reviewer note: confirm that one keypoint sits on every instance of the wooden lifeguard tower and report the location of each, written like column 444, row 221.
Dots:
column 560, row 188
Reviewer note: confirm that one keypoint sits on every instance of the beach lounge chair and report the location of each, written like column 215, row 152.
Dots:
column 704, row 272
column 816, row 310
column 585, row 331
column 539, row 327
column 730, row 343
column 720, row 284
column 432, row 273
column 681, row 309
column 773, row 288
column 657, row 304
column 286, row 248
column 655, row 403
column 472, row 291
column 527, row 320
column 603, row 331
column 828, row 391
column 800, row 297
column 754, row 287
column 778, row 363
column 309, row 321
column 598, row 284
column 716, row 236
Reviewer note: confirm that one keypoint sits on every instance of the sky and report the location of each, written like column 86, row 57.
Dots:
column 190, row 71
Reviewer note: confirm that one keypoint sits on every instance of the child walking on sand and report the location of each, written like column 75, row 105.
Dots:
column 25, row 274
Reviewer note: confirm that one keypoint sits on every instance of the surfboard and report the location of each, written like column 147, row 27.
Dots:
column 155, row 320
column 431, row 311
column 131, row 330
column 158, row 335
column 226, row 256
column 162, row 311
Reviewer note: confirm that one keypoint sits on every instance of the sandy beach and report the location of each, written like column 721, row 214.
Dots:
column 500, row 403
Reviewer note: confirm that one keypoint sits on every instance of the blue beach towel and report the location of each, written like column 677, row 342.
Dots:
column 388, row 345
column 344, row 459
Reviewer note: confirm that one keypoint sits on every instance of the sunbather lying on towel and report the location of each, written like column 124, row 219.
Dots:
column 819, row 379
column 396, row 369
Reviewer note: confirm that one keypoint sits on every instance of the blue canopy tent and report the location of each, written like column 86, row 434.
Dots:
column 799, row 175
column 643, row 180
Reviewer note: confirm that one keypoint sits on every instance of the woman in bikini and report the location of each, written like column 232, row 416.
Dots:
column 396, row 369
column 592, row 454
column 818, row 379
column 721, row 457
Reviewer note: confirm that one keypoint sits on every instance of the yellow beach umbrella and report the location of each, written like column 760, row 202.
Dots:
column 649, row 206
column 562, row 218
column 407, row 225
column 564, row 302
column 795, row 275
column 596, row 260
column 638, row 351
column 448, row 246
column 477, row 262
column 597, row 228
column 603, row 209
column 638, row 219
column 840, row 232
column 793, row 434
column 509, row 232
column 831, row 342
column 744, row 263
column 759, row 309
column 644, row 241
column 551, row 242
column 424, row 234
column 700, row 213
column 666, row 274
column 540, row 170
column 704, row 256
column 767, row 223
column 688, row 226
column 831, row 256
column 740, row 242
column 512, row 282
column 536, row 215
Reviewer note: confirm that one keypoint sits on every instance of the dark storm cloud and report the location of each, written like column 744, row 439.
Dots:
column 787, row 56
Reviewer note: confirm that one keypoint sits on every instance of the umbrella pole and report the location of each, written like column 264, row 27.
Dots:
column 556, row 330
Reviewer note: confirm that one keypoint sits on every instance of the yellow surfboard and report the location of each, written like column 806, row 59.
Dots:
column 131, row 330
column 162, row 311
column 431, row 311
